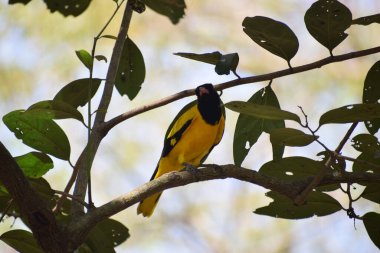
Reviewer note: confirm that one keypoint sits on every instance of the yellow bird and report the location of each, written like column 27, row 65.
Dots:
column 191, row 136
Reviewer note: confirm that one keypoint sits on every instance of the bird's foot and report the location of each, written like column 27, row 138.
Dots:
column 192, row 169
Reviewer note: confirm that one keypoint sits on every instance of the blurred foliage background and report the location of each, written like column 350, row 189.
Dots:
column 37, row 57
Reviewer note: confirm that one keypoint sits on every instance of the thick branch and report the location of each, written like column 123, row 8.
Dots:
column 209, row 172
column 86, row 158
column 40, row 219
column 252, row 79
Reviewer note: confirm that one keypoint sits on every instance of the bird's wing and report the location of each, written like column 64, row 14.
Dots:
column 178, row 126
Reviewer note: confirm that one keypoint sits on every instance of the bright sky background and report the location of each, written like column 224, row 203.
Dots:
column 37, row 58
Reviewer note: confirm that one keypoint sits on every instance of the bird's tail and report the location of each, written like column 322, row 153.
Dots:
column 147, row 206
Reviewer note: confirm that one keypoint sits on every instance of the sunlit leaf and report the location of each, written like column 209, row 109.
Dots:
column 107, row 36
column 274, row 36
column 76, row 93
column 68, row 7
column 173, row 9
column 131, row 70
column 371, row 94
column 34, row 164
column 54, row 109
column 290, row 137
column 351, row 113
column 367, row 20
column 248, row 128
column 85, row 58
column 317, row 203
column 372, row 224
column 326, row 21
column 39, row 133
column 21, row 240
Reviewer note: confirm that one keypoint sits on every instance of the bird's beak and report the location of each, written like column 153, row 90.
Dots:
column 203, row 91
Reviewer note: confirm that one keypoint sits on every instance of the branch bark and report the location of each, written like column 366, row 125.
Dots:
column 86, row 159
column 106, row 126
column 50, row 236
column 207, row 172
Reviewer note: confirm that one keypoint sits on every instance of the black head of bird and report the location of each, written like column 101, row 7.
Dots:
column 209, row 103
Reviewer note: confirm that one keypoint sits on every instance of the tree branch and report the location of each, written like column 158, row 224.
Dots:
column 207, row 172
column 106, row 126
column 300, row 199
column 85, row 160
column 50, row 236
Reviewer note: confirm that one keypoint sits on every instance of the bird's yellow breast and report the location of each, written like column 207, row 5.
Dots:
column 194, row 144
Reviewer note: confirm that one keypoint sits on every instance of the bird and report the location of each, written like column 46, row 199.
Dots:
column 191, row 136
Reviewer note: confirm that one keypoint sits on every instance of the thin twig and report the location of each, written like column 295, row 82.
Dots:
column 73, row 198
column 86, row 158
column 300, row 199
column 240, row 81
column 377, row 166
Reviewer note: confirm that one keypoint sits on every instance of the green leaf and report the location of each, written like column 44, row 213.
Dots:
column 274, row 36
column 367, row 20
column 54, row 109
column 44, row 190
column 107, row 36
column 371, row 94
column 290, row 169
column 223, row 63
column 227, row 63
column 68, row 7
column 101, row 58
column 106, row 235
column 18, row 1
column 39, row 133
column 372, row 192
column 290, row 137
column 138, row 6
column 371, row 222
column 21, row 240
column 85, row 58
column 350, row 114
column 317, row 203
column 248, row 128
column 369, row 158
column 210, row 58
column 76, row 93
column 365, row 143
column 173, row 9
column 34, row 164
column 262, row 111
column 326, row 21
column 131, row 70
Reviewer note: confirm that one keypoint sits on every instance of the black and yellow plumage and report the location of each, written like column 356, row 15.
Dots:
column 191, row 136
